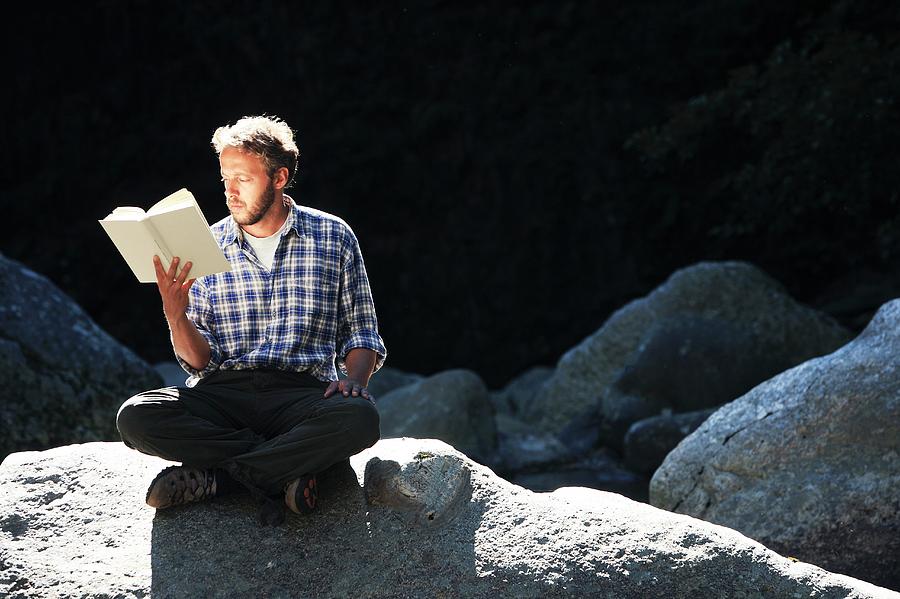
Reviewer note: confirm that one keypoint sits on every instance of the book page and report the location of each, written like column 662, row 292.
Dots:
column 186, row 234
column 127, row 213
column 173, row 201
column 137, row 246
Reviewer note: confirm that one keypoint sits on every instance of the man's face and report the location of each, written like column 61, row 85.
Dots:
column 249, row 192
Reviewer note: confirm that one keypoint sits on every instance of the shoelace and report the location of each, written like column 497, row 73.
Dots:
column 193, row 489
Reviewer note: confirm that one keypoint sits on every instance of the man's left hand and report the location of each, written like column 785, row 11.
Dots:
column 348, row 387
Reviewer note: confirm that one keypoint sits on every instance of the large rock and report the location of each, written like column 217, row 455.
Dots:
column 63, row 377
column 452, row 406
column 172, row 373
column 690, row 363
column 521, row 447
column 730, row 296
column 387, row 379
column 411, row 518
column 520, row 391
column 808, row 462
column 649, row 441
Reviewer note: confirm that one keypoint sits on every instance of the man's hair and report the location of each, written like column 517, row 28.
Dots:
column 268, row 137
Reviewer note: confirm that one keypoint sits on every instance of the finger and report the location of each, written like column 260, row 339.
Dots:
column 161, row 283
column 182, row 276
column 160, row 273
column 173, row 268
column 332, row 386
column 365, row 393
column 187, row 286
column 355, row 392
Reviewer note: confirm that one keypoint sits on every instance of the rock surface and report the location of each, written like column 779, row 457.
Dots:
column 406, row 518
column 172, row 373
column 649, row 441
column 819, row 447
column 519, row 392
column 736, row 294
column 689, row 363
column 63, row 376
column 387, row 379
column 521, row 446
column 453, row 406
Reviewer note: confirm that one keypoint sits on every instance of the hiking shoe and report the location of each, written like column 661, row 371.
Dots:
column 177, row 485
column 301, row 494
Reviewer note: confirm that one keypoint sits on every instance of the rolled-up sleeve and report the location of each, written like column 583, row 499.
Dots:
column 199, row 312
column 357, row 325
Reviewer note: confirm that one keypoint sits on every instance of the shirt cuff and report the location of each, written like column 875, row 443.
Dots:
column 366, row 339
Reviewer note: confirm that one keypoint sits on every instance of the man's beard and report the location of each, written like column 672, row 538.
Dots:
column 255, row 215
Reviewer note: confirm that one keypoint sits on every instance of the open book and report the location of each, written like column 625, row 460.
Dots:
column 174, row 226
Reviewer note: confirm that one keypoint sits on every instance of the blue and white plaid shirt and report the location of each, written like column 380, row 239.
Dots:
column 313, row 307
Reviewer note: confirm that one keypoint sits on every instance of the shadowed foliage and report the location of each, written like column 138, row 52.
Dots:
column 477, row 151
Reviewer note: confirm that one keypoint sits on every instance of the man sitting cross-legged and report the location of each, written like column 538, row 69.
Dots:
column 263, row 407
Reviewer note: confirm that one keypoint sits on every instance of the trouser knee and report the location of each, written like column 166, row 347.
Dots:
column 131, row 421
column 365, row 423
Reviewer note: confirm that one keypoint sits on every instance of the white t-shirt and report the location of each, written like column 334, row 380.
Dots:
column 265, row 247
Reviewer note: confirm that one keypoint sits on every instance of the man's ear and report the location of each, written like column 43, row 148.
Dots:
column 280, row 178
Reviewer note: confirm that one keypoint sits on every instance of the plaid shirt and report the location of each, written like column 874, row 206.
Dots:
column 313, row 307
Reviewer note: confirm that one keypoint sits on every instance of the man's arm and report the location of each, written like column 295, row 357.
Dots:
column 360, row 349
column 189, row 343
column 174, row 290
column 360, row 365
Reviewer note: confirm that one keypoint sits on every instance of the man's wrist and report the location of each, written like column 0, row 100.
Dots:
column 360, row 364
column 178, row 322
column 361, row 380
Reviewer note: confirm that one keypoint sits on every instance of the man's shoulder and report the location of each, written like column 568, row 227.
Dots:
column 319, row 221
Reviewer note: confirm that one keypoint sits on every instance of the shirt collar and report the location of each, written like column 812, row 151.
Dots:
column 233, row 232
column 298, row 224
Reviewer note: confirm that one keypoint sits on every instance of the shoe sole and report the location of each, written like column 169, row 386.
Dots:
column 308, row 498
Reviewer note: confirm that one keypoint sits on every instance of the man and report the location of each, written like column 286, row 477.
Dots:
column 263, row 406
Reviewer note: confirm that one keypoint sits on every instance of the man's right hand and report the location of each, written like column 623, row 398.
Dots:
column 174, row 288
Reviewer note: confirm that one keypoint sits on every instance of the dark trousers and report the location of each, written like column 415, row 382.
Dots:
column 264, row 427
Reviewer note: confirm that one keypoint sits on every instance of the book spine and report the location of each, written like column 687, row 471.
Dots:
column 164, row 253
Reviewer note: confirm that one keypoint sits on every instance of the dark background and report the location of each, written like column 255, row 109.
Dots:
column 514, row 171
